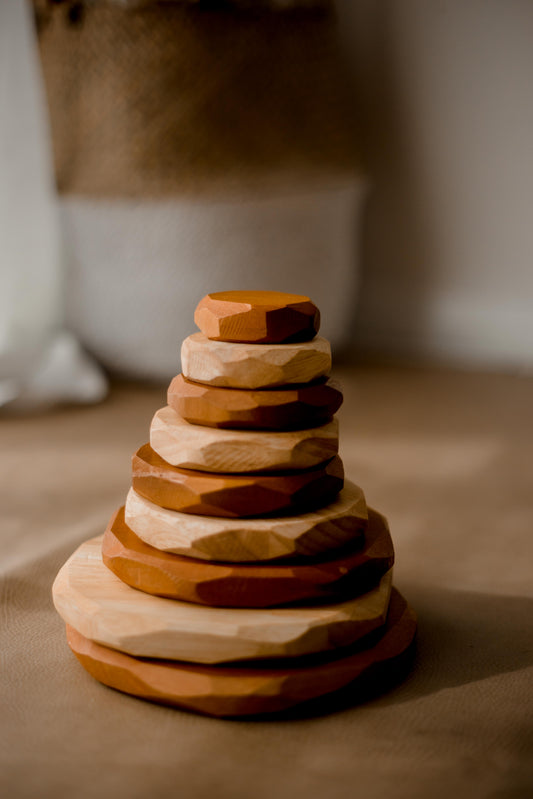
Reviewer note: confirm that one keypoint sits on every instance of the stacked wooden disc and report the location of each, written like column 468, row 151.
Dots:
column 244, row 575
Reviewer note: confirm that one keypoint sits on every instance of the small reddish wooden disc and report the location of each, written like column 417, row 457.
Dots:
column 240, row 691
column 234, row 495
column 150, row 570
column 280, row 409
column 257, row 317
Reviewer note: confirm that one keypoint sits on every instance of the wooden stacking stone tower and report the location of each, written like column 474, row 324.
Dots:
column 244, row 575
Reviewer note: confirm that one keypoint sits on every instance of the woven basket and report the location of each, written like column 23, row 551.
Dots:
column 163, row 112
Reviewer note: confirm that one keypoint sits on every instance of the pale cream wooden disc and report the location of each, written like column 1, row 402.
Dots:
column 90, row 598
column 221, row 363
column 241, row 540
column 210, row 449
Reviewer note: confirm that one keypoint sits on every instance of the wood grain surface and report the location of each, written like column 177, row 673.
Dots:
column 267, row 317
column 211, row 494
column 239, row 585
column 242, row 540
column 237, row 691
column 289, row 408
column 89, row 597
column 210, row 449
column 220, row 363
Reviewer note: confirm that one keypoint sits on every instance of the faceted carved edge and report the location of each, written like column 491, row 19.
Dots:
column 209, row 449
column 244, row 539
column 252, row 366
column 89, row 597
column 235, row 585
column 285, row 409
column 266, row 317
column 226, row 691
column 210, row 494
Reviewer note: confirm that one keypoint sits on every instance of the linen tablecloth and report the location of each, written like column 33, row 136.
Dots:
column 446, row 456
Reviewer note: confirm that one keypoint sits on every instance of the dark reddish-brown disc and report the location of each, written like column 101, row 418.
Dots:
column 242, row 691
column 257, row 317
column 212, row 494
column 289, row 408
column 142, row 566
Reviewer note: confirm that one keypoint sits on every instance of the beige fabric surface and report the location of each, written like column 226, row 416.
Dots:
column 447, row 456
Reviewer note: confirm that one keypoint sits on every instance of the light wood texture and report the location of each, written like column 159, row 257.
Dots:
column 243, row 540
column 209, row 449
column 271, row 317
column 285, row 409
column 210, row 494
column 219, row 363
column 90, row 598
column 353, row 572
column 237, row 691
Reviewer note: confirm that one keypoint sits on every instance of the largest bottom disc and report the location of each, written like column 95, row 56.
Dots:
column 242, row 691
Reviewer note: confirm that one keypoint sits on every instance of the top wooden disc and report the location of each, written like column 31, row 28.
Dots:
column 258, row 317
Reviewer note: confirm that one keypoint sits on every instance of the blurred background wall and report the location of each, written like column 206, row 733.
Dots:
column 445, row 91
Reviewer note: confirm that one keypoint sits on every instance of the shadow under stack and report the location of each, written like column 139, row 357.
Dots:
column 244, row 575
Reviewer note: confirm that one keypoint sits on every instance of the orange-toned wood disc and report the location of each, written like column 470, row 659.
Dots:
column 233, row 495
column 240, row 691
column 148, row 569
column 258, row 317
column 291, row 408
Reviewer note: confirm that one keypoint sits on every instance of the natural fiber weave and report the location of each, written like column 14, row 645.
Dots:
column 174, row 97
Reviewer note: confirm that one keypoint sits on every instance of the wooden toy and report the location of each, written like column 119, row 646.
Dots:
column 89, row 597
column 240, row 585
column 243, row 576
column 289, row 408
column 238, row 691
column 250, row 539
column 209, row 449
column 219, row 363
column 266, row 317
column 233, row 495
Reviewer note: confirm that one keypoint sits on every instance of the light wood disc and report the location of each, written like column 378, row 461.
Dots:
column 245, row 539
column 89, row 597
column 219, row 363
column 209, row 449
column 238, row 691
